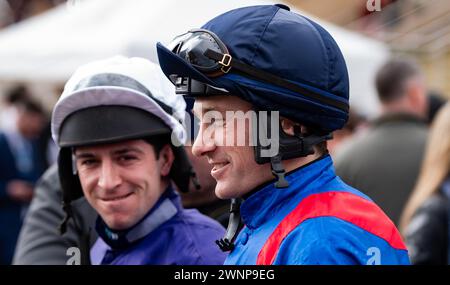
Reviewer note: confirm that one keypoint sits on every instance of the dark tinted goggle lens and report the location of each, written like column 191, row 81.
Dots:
column 192, row 46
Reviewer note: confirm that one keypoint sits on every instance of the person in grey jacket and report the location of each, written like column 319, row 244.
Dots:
column 384, row 161
column 40, row 241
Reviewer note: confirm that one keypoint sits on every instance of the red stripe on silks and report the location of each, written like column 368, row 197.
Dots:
column 343, row 205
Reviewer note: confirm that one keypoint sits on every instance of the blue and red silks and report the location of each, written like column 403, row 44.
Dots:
column 317, row 220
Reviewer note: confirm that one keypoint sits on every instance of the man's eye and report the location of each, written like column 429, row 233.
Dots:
column 217, row 122
column 127, row 158
column 88, row 162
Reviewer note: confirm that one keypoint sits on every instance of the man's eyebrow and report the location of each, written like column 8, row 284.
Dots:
column 127, row 150
column 124, row 150
column 84, row 155
column 208, row 109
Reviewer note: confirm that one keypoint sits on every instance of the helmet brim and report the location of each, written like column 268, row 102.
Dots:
column 109, row 124
column 172, row 64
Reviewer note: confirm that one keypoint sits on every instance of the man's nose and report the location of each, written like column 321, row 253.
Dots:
column 109, row 176
column 203, row 143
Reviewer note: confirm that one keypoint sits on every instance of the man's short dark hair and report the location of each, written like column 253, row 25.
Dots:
column 17, row 94
column 158, row 142
column 322, row 147
column 391, row 78
column 31, row 106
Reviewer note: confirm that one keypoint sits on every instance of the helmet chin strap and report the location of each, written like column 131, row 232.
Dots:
column 289, row 146
column 74, row 162
column 227, row 242
column 279, row 172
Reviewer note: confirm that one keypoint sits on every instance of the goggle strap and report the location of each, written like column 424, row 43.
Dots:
column 270, row 78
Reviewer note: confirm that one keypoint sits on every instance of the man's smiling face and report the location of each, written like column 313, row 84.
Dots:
column 220, row 140
column 122, row 181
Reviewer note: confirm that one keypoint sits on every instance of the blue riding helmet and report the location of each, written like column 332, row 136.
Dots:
column 273, row 58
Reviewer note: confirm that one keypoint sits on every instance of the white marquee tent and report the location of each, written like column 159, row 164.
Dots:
column 48, row 48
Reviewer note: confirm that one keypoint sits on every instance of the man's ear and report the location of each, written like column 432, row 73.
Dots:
column 418, row 96
column 289, row 126
column 166, row 158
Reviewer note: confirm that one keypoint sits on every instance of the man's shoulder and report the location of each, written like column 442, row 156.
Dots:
column 178, row 241
column 192, row 218
column 190, row 226
column 321, row 240
column 332, row 240
column 352, row 207
column 191, row 236
column 342, row 223
column 345, row 203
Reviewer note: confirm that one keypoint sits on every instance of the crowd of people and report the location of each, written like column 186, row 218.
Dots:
column 150, row 170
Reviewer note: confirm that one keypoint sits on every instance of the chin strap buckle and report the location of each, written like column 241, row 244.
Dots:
column 225, row 245
column 279, row 172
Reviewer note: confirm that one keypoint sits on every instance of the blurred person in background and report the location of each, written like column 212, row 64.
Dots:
column 8, row 114
column 21, row 165
column 6, row 14
column 40, row 241
column 23, row 9
column 435, row 102
column 384, row 161
column 426, row 219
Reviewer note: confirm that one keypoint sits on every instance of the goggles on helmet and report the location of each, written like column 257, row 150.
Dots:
column 203, row 50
